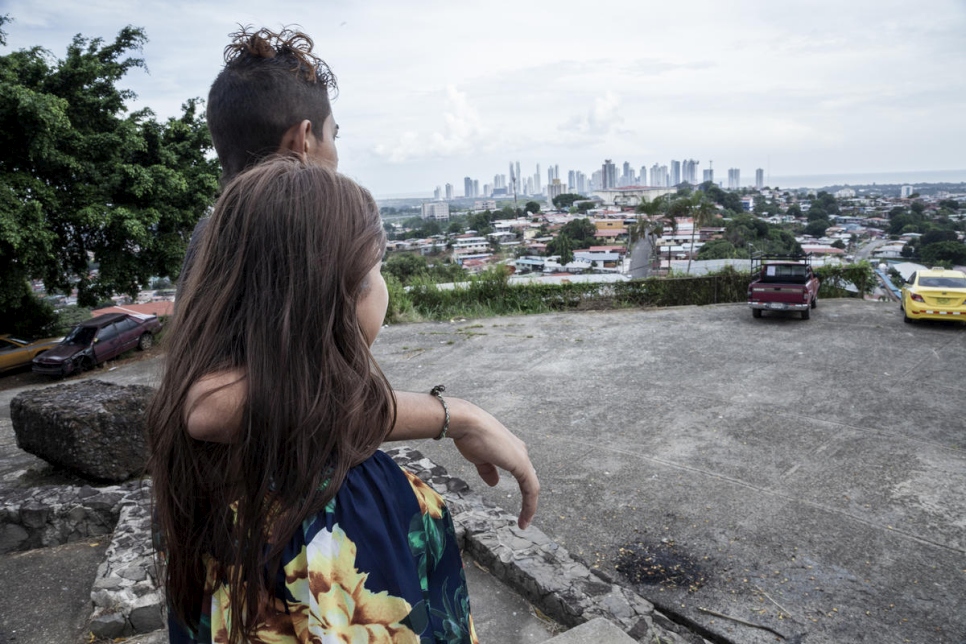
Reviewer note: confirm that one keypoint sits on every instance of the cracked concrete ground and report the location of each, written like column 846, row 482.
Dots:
column 814, row 471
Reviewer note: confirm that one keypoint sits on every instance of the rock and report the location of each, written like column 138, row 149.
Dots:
column 108, row 626
column 92, row 428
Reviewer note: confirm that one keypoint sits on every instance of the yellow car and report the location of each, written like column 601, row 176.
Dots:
column 16, row 351
column 934, row 294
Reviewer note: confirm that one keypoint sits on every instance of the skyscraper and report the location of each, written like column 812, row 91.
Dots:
column 449, row 192
column 675, row 172
column 689, row 171
column 759, row 178
column 437, row 193
column 734, row 178
column 608, row 175
column 520, row 186
column 644, row 176
column 468, row 188
column 572, row 180
column 709, row 175
column 476, row 188
column 581, row 183
column 536, row 181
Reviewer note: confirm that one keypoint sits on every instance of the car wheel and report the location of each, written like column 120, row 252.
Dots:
column 145, row 342
column 756, row 313
column 806, row 314
column 906, row 318
column 83, row 363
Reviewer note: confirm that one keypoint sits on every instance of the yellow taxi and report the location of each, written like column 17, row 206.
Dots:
column 18, row 351
column 934, row 294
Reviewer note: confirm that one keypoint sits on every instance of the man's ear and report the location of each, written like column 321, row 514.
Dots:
column 298, row 139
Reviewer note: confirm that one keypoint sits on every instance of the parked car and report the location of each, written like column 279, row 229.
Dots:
column 934, row 294
column 783, row 283
column 97, row 340
column 18, row 351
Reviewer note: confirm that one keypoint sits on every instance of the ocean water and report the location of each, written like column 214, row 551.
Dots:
column 911, row 178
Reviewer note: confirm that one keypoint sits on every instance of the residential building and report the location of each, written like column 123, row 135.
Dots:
column 437, row 210
column 555, row 189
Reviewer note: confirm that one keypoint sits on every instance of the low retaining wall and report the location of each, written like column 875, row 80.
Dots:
column 126, row 600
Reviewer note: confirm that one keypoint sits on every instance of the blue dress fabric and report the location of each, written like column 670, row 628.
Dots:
column 379, row 564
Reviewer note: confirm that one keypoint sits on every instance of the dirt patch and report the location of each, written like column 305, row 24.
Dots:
column 659, row 563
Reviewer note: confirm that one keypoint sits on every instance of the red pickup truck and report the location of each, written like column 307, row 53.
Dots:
column 783, row 283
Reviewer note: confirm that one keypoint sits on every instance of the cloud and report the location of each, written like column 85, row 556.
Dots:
column 462, row 133
column 603, row 118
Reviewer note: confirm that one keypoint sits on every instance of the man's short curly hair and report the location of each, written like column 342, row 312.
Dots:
column 271, row 81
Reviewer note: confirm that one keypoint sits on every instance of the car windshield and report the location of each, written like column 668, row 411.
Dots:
column 943, row 282
column 80, row 335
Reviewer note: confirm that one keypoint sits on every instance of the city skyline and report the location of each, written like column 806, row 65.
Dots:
column 794, row 88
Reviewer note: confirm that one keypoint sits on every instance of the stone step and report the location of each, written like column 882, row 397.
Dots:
column 596, row 631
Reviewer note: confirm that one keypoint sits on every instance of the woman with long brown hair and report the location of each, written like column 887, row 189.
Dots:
column 298, row 529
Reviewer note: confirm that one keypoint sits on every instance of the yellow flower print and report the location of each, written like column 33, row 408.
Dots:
column 274, row 626
column 333, row 602
column 430, row 502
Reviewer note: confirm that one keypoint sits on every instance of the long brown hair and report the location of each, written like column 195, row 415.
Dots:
column 273, row 293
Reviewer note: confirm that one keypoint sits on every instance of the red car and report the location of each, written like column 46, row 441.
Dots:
column 96, row 341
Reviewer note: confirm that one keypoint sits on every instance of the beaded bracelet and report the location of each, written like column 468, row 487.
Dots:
column 438, row 392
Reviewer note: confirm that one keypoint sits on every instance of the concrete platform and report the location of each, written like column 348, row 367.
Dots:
column 808, row 476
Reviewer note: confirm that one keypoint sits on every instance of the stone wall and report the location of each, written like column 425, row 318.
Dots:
column 126, row 599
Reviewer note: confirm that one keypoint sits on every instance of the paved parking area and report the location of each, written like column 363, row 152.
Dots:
column 808, row 476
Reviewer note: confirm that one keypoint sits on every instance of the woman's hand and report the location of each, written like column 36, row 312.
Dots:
column 485, row 442
column 479, row 437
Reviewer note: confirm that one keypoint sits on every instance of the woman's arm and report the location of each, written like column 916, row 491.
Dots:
column 214, row 409
column 480, row 438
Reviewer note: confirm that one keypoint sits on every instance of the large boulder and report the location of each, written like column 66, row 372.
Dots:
column 92, row 428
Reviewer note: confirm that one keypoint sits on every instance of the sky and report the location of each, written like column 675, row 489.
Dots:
column 434, row 91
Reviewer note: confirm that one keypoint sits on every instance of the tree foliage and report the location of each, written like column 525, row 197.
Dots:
column 82, row 181
column 566, row 200
column 944, row 253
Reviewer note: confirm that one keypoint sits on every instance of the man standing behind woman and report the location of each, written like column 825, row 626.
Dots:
column 273, row 97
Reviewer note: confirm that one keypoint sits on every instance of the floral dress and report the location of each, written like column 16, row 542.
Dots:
column 379, row 564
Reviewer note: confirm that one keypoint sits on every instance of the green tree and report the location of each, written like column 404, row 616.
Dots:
column 566, row 200
column 562, row 245
column 81, row 179
column 935, row 236
column 838, row 243
column 718, row 249
column 405, row 266
column 581, row 231
column 817, row 228
column 945, row 253
column 702, row 212
column 794, row 210
column 532, row 207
